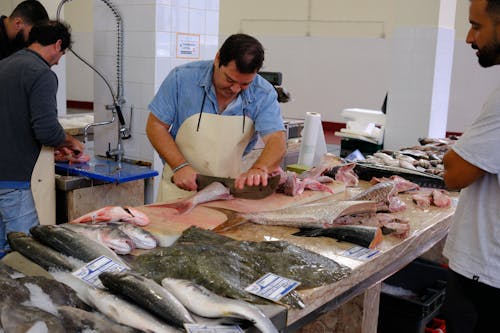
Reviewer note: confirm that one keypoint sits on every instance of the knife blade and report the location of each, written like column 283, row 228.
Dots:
column 248, row 192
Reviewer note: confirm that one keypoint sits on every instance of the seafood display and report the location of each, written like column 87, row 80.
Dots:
column 227, row 266
column 203, row 302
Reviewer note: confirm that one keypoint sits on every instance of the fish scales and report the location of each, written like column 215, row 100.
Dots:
column 226, row 266
column 314, row 215
column 379, row 192
column 148, row 294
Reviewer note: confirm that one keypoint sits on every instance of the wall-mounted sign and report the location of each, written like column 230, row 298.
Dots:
column 188, row 46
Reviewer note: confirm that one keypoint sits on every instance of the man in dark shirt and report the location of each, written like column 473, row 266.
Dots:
column 28, row 120
column 15, row 29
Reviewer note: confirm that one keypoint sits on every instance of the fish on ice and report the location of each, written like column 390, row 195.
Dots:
column 205, row 303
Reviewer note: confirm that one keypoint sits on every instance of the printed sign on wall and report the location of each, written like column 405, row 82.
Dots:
column 188, row 46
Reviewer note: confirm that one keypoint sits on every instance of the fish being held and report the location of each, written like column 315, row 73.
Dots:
column 114, row 214
column 203, row 302
column 214, row 191
column 148, row 294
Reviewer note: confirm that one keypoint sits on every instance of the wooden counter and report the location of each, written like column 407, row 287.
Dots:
column 427, row 227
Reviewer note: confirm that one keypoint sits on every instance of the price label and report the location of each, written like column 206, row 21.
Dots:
column 360, row 253
column 199, row 328
column 90, row 272
column 272, row 287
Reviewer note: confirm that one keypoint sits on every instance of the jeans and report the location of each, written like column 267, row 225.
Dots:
column 17, row 213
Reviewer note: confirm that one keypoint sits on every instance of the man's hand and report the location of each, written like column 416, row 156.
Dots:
column 253, row 177
column 185, row 179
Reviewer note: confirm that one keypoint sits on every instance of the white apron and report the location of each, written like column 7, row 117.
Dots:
column 214, row 146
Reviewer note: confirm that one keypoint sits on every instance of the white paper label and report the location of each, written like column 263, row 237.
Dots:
column 272, row 287
column 360, row 253
column 90, row 272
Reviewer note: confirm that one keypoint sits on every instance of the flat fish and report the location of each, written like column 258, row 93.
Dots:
column 148, row 294
column 214, row 191
column 365, row 236
column 203, row 302
column 314, row 215
column 113, row 214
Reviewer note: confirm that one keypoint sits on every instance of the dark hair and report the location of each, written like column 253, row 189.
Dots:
column 31, row 11
column 245, row 50
column 49, row 32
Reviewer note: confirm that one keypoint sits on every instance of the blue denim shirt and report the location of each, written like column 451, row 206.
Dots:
column 181, row 95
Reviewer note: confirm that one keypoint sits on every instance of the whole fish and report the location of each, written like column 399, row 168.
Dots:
column 203, row 302
column 73, row 244
column 214, row 191
column 148, row 294
column 18, row 318
column 114, row 307
column 111, row 237
column 314, row 215
column 142, row 238
column 12, row 290
column 78, row 320
column 39, row 253
column 113, row 214
column 365, row 236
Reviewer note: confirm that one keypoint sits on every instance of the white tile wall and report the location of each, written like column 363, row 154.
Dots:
column 150, row 29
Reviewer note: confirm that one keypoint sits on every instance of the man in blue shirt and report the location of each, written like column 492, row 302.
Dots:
column 208, row 114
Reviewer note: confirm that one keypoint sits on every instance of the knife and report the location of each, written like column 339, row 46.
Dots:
column 248, row 192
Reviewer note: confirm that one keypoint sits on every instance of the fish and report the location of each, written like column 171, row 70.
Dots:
column 111, row 237
column 203, row 302
column 114, row 307
column 39, row 253
column 389, row 223
column 7, row 271
column 59, row 293
column 313, row 215
column 114, row 214
column 72, row 244
column 19, row 318
column 385, row 194
column 227, row 266
column 142, row 238
column 12, row 290
column 78, row 320
column 365, row 236
column 214, row 191
column 148, row 294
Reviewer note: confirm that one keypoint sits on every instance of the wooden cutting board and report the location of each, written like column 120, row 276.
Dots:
column 167, row 225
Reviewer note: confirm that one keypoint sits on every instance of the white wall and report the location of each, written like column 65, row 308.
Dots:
column 333, row 53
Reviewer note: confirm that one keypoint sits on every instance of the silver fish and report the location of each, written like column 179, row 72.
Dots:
column 18, row 318
column 203, row 302
column 314, row 215
column 148, row 294
column 78, row 320
column 111, row 237
column 214, row 191
column 72, row 244
column 114, row 307
column 142, row 238
column 39, row 253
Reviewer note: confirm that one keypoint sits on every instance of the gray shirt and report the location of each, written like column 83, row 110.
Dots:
column 473, row 243
column 28, row 115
